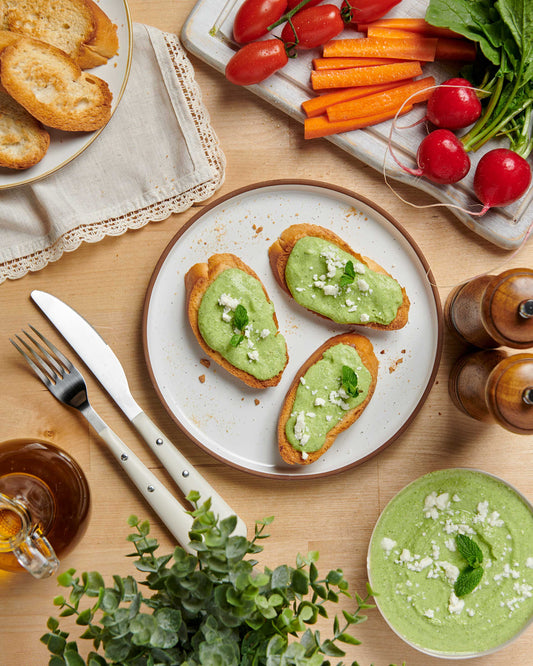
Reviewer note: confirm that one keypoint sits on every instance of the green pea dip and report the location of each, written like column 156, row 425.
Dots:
column 321, row 401
column 262, row 352
column 314, row 276
column 413, row 563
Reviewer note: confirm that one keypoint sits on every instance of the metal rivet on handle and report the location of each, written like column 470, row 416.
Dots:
column 159, row 441
column 124, row 456
column 150, row 489
column 185, row 473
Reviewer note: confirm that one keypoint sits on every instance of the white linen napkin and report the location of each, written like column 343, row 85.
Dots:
column 157, row 156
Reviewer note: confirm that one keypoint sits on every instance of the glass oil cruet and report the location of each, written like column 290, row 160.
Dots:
column 44, row 506
column 22, row 537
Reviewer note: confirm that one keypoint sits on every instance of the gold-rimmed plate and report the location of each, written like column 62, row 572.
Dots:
column 66, row 146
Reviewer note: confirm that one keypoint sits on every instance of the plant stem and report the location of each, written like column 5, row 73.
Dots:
column 288, row 15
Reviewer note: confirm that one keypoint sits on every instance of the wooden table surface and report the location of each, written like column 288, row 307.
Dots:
column 107, row 281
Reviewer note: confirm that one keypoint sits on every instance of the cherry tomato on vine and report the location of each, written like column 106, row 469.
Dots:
column 292, row 3
column 366, row 11
column 256, row 61
column 254, row 17
column 313, row 26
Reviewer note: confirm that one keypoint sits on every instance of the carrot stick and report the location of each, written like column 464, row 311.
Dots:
column 364, row 76
column 387, row 100
column 344, row 63
column 321, row 126
column 317, row 105
column 422, row 48
column 379, row 32
column 447, row 48
column 418, row 25
column 461, row 50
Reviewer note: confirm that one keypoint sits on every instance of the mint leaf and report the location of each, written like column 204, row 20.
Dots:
column 349, row 381
column 240, row 321
column 467, row 580
column 349, row 274
column 469, row 550
column 240, row 317
column 236, row 339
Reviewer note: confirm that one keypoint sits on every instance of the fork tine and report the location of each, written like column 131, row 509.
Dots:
column 44, row 378
column 59, row 355
column 59, row 369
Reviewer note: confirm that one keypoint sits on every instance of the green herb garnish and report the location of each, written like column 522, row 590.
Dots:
column 209, row 606
column 349, row 381
column 240, row 321
column 471, row 575
column 349, row 274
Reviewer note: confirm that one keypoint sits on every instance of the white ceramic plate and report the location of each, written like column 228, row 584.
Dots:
column 237, row 424
column 208, row 33
column 65, row 146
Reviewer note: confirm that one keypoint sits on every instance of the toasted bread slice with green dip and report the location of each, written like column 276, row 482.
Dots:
column 327, row 395
column 234, row 320
column 322, row 273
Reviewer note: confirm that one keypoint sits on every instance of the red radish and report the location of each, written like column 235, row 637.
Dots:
column 453, row 105
column 441, row 158
column 502, row 176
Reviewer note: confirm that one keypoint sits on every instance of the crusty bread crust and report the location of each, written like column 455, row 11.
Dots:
column 78, row 27
column 197, row 279
column 280, row 250
column 364, row 348
column 104, row 42
column 23, row 141
column 50, row 86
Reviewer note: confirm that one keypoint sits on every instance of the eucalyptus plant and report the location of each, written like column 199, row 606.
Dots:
column 211, row 607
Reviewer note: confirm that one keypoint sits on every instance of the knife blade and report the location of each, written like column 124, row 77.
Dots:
column 105, row 366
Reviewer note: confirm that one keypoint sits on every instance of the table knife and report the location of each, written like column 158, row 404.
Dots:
column 105, row 366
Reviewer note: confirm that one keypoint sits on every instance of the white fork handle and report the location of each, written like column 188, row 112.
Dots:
column 186, row 477
column 167, row 507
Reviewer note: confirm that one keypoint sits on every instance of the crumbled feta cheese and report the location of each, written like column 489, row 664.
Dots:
column 226, row 301
column 264, row 333
column 362, row 284
column 253, row 355
column 455, row 605
column 387, row 544
column 319, row 402
column 359, row 268
column 450, row 570
column 331, row 289
column 529, row 563
column 429, row 613
column 364, row 318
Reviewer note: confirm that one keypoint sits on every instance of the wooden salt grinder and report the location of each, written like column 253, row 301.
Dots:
column 493, row 310
column 491, row 385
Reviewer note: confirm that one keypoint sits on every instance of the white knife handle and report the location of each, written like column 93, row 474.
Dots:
column 181, row 470
column 167, row 507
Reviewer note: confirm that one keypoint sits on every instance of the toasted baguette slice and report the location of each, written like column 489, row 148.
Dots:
column 364, row 348
column 104, row 42
column 66, row 24
column 78, row 27
column 23, row 141
column 281, row 249
column 50, row 86
column 197, row 280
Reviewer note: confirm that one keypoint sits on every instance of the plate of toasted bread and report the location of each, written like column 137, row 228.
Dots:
column 292, row 329
column 64, row 65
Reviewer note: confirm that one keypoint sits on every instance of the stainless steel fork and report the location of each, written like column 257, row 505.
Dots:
column 66, row 383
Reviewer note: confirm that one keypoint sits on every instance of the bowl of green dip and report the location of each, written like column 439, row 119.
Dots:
column 451, row 563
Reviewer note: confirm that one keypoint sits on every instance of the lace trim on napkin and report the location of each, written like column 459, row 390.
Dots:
column 92, row 233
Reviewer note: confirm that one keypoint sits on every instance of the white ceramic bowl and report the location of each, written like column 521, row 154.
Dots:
column 412, row 563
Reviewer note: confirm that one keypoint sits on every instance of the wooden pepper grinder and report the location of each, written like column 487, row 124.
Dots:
column 494, row 310
column 491, row 385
